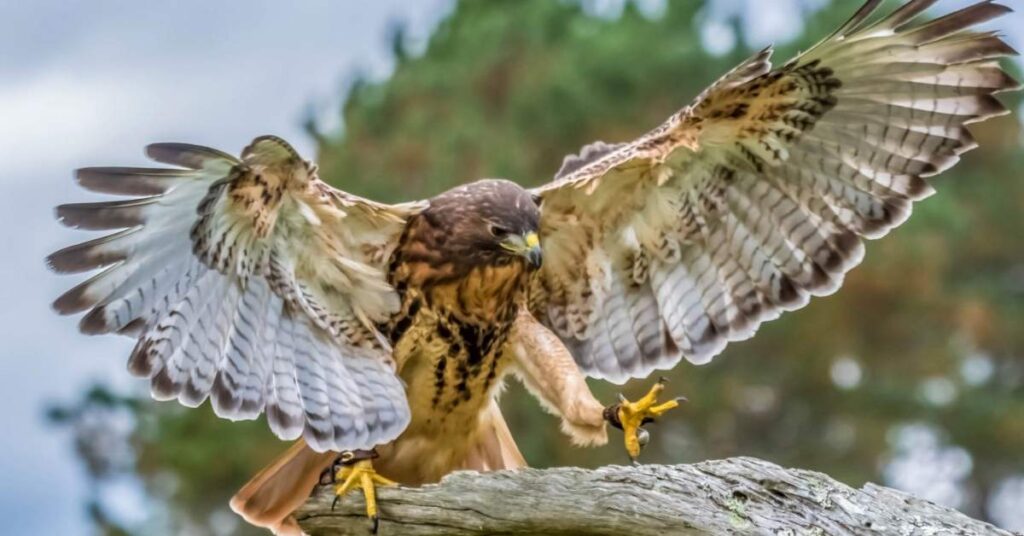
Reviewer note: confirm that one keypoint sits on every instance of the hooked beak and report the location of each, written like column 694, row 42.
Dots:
column 527, row 246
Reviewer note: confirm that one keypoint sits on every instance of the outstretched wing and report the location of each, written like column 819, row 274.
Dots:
column 758, row 195
column 247, row 281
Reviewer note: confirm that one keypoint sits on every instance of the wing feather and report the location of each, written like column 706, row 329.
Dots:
column 759, row 194
column 248, row 282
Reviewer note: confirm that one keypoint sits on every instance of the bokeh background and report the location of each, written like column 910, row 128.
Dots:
column 912, row 375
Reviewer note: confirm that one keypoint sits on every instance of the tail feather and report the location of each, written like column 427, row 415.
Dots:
column 270, row 497
column 495, row 449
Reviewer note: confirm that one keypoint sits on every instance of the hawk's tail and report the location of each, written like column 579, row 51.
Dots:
column 495, row 449
column 269, row 499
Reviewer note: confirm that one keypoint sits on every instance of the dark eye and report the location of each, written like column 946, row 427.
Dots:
column 497, row 231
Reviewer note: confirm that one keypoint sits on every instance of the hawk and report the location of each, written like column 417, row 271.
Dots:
column 378, row 335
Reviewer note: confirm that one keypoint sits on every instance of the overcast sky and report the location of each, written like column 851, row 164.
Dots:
column 90, row 83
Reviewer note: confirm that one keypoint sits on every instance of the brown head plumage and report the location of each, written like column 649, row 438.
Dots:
column 489, row 222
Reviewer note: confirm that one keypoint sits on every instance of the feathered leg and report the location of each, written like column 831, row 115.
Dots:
column 550, row 373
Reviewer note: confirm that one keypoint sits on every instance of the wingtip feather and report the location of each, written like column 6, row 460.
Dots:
column 185, row 155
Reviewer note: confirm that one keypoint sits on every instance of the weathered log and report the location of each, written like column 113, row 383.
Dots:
column 732, row 496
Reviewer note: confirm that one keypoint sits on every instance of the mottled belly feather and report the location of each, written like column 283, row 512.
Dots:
column 450, row 369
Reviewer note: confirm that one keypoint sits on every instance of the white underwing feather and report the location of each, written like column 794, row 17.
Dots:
column 246, row 284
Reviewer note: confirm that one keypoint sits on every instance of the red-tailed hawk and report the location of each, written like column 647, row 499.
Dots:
column 381, row 332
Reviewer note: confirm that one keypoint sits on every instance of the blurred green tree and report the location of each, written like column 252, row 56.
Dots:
column 925, row 333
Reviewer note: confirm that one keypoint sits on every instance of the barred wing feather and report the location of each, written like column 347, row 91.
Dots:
column 247, row 281
column 759, row 194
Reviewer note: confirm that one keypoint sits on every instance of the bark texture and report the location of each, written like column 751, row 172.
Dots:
column 734, row 496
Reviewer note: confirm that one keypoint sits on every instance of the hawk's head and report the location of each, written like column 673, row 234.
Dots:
column 489, row 222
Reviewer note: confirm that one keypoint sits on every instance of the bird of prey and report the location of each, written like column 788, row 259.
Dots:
column 378, row 335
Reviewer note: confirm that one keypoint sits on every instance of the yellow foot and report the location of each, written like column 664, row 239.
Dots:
column 631, row 416
column 356, row 471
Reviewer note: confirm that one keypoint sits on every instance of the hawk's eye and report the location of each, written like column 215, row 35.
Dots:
column 498, row 231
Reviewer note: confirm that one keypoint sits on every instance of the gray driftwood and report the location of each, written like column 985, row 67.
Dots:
column 733, row 496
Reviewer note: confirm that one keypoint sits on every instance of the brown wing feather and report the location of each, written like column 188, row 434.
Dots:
column 758, row 195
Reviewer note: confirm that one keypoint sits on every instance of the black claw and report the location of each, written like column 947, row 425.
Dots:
column 330, row 475
column 335, row 502
column 662, row 379
column 376, row 524
column 327, row 476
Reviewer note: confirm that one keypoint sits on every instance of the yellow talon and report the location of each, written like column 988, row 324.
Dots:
column 633, row 415
column 360, row 474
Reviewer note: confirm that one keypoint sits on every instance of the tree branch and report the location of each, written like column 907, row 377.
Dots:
column 732, row 496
